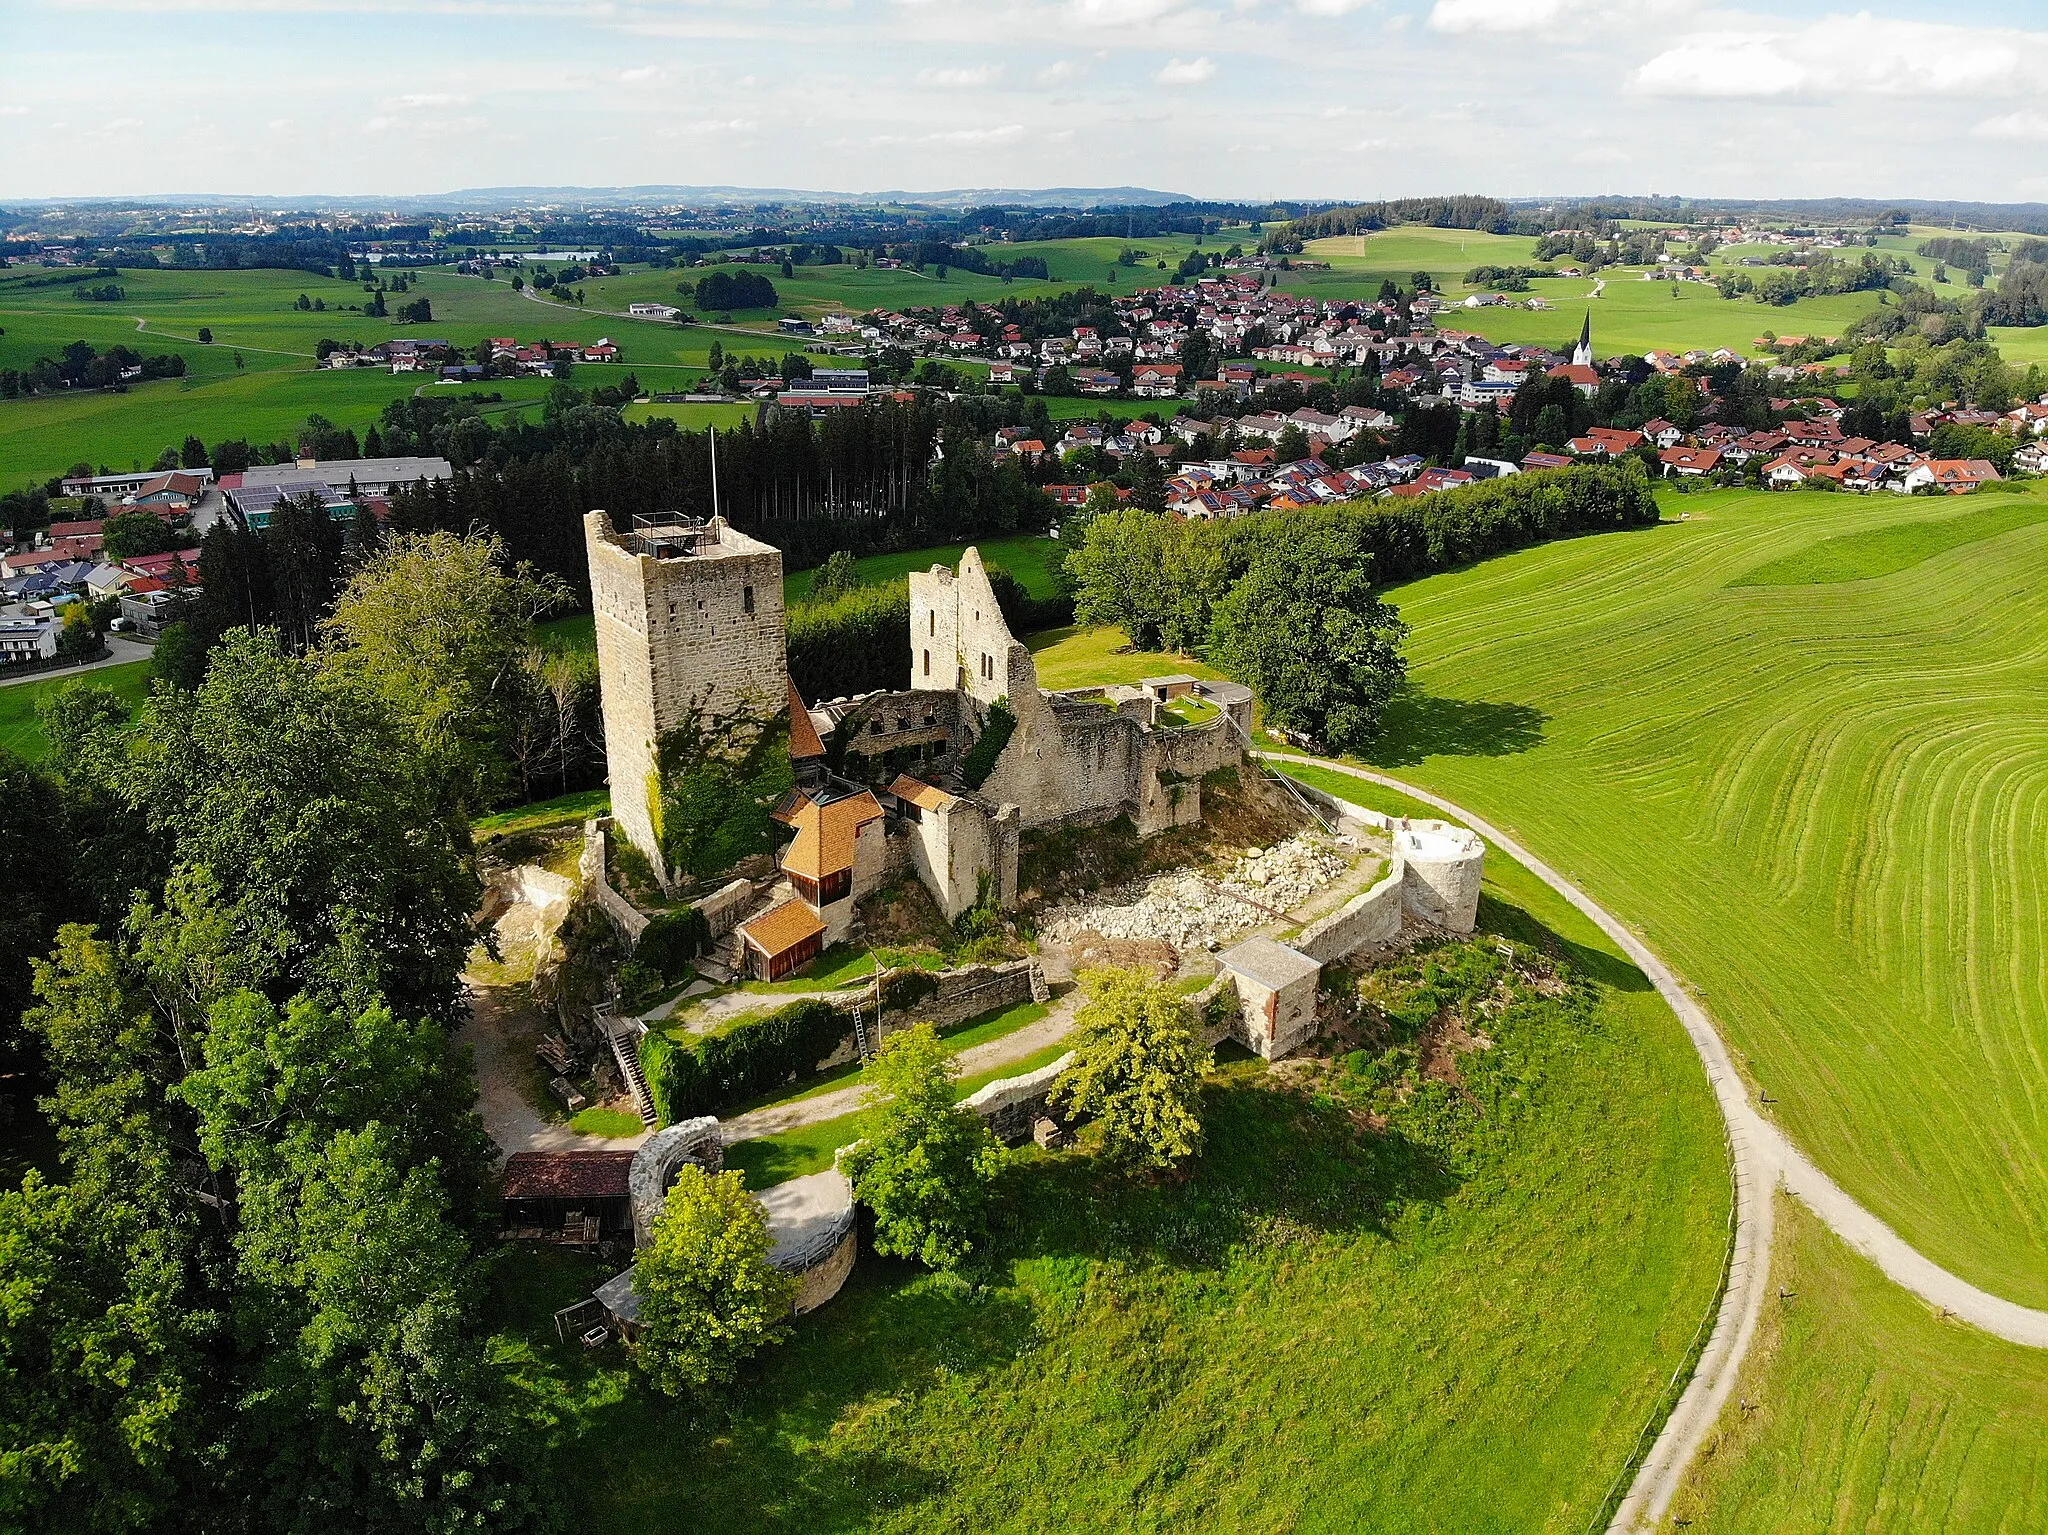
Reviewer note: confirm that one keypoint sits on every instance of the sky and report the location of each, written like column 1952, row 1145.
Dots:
column 1224, row 99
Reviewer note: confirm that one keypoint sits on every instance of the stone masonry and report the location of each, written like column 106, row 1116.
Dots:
column 689, row 618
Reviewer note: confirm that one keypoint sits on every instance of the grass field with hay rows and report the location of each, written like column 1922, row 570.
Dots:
column 1825, row 800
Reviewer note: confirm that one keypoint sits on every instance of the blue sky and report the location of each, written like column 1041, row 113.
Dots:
column 1215, row 98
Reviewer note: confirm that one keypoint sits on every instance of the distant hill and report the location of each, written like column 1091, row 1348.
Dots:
column 487, row 199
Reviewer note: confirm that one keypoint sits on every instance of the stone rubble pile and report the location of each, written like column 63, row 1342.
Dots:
column 1190, row 911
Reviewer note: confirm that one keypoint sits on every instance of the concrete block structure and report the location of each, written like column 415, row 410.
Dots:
column 1276, row 994
column 690, row 626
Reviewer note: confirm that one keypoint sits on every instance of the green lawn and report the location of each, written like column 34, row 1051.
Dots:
column 1027, row 558
column 1824, row 803
column 1324, row 1328
column 611, row 1123
column 565, row 810
column 20, row 731
column 1075, row 657
column 1865, row 1412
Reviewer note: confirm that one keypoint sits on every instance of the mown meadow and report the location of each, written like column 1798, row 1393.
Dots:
column 1862, row 1410
column 1823, row 798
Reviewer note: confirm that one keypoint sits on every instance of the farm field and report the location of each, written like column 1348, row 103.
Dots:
column 46, row 435
column 1027, row 558
column 1320, row 1330
column 1630, row 315
column 1870, row 1414
column 1824, row 802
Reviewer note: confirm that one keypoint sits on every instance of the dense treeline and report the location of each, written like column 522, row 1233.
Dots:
column 886, row 474
column 1161, row 579
column 248, row 1298
column 1486, row 214
column 83, row 366
column 724, row 290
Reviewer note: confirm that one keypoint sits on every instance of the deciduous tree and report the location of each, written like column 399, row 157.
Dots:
column 709, row 1298
column 1138, row 1069
column 926, row 1163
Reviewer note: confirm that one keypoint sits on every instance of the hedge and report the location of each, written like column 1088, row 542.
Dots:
column 693, row 1074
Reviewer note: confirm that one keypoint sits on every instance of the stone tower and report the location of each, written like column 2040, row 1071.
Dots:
column 689, row 619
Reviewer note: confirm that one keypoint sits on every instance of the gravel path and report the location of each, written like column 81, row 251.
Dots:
column 498, row 1044
column 974, row 1060
column 1763, row 1159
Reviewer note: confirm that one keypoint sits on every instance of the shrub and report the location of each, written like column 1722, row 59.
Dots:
column 982, row 756
column 671, row 941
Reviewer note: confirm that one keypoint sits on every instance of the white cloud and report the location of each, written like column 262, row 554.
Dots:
column 1008, row 133
column 1118, row 13
column 1330, row 7
column 432, row 99
column 1187, row 71
column 1059, row 72
column 2028, row 124
column 639, row 76
column 960, row 79
column 1848, row 55
column 1495, row 15
column 13, row 111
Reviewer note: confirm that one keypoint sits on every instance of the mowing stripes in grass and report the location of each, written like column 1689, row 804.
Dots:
column 1827, row 805
column 1858, row 1410
column 1874, row 552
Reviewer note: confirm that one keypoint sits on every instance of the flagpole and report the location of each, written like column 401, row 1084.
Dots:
column 714, row 473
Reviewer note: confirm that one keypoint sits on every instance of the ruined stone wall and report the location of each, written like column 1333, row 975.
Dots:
column 952, row 847
column 1014, row 1104
column 968, row 992
column 701, row 632
column 1372, row 917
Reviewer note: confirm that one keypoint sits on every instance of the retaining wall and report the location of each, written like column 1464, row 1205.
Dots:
column 1014, row 1104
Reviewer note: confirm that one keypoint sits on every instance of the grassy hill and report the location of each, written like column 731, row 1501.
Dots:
column 1825, row 802
column 1325, row 1328
column 1865, row 1412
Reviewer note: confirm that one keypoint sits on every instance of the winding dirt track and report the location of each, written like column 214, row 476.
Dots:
column 1763, row 1158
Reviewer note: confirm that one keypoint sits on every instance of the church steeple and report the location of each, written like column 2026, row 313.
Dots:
column 1582, row 354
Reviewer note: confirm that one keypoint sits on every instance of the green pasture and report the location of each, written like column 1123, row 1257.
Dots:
column 1860, row 1410
column 1077, row 657
column 1823, row 802
column 47, row 434
column 1029, row 559
column 22, row 733
column 1323, row 1328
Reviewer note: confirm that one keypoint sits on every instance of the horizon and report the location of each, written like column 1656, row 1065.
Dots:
column 1217, row 100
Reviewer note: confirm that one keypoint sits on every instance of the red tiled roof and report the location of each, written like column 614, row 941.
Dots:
column 566, row 1174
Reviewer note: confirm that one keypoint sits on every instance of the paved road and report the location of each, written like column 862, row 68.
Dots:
column 1764, row 1158
column 123, row 650
column 974, row 1060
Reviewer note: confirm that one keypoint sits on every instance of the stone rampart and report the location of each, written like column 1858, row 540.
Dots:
column 660, row 1157
column 1014, row 1104
column 1371, row 917
column 965, row 993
